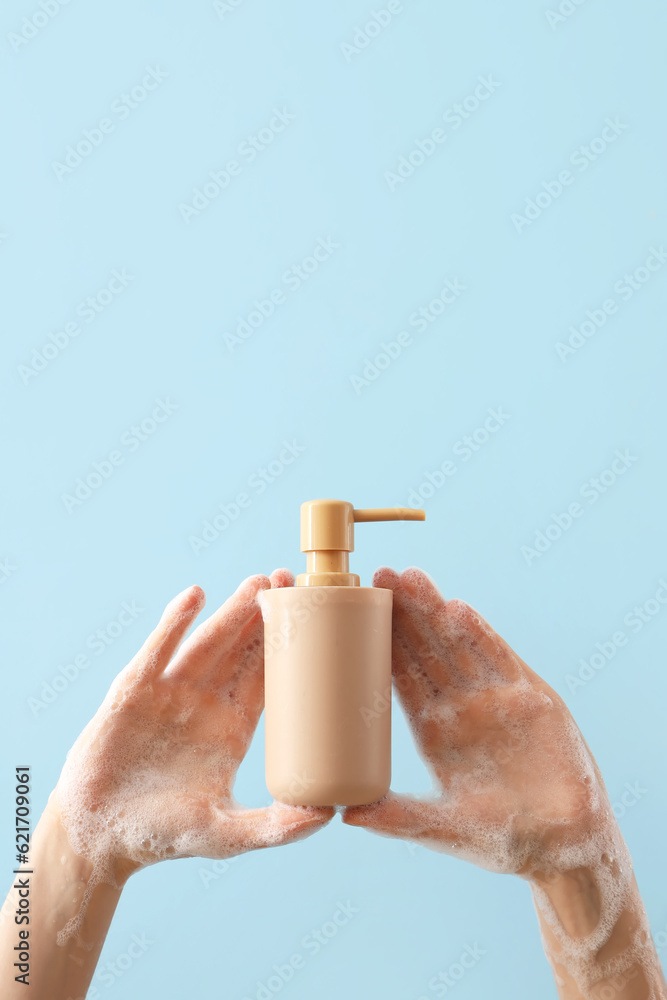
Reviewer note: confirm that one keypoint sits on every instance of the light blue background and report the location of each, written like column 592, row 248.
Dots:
column 324, row 175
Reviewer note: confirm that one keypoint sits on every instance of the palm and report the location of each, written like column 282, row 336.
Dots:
column 510, row 765
column 152, row 774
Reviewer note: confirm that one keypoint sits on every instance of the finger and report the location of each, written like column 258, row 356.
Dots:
column 386, row 578
column 240, row 688
column 422, row 661
column 245, row 687
column 421, row 589
column 224, row 639
column 461, row 628
column 423, row 667
column 437, row 825
column 450, row 639
column 402, row 816
column 418, row 673
column 243, row 690
column 163, row 641
column 409, row 634
column 270, row 826
column 419, row 610
column 282, row 578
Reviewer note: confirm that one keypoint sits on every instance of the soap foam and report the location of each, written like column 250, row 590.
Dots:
column 174, row 737
column 529, row 799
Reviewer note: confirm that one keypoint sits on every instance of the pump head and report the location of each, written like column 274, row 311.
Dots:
column 327, row 538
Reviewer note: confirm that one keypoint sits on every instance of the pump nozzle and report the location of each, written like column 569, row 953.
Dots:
column 327, row 536
column 389, row 514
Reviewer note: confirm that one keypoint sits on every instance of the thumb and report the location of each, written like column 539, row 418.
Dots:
column 272, row 825
column 399, row 816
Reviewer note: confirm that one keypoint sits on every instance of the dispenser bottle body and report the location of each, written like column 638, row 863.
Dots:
column 327, row 656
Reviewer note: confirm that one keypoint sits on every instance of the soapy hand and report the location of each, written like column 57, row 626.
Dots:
column 151, row 775
column 518, row 792
column 518, row 786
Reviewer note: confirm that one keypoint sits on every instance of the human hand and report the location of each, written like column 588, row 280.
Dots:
column 518, row 791
column 151, row 775
column 517, row 785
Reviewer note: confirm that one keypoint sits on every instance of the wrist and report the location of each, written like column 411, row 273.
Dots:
column 52, row 853
column 73, row 900
column 70, row 912
column 52, row 829
column 574, row 897
column 596, row 933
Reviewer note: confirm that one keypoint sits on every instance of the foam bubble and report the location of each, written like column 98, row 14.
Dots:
column 526, row 798
column 151, row 776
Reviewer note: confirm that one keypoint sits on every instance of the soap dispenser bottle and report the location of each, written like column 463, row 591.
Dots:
column 327, row 663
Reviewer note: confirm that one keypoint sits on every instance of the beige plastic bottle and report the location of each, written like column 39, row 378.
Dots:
column 327, row 656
